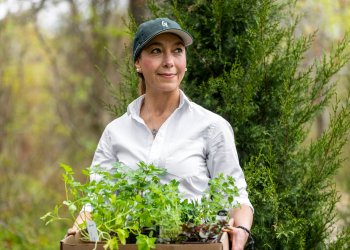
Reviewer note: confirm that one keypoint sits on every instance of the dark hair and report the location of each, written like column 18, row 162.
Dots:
column 142, row 84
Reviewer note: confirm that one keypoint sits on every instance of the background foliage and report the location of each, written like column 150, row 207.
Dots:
column 53, row 96
column 51, row 107
column 251, row 70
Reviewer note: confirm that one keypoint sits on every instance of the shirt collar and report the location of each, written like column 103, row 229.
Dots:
column 135, row 106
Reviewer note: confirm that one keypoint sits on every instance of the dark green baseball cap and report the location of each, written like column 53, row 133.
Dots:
column 150, row 29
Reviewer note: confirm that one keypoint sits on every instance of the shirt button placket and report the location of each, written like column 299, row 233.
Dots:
column 156, row 149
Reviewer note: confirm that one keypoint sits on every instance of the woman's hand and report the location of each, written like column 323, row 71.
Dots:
column 238, row 237
column 72, row 231
column 82, row 217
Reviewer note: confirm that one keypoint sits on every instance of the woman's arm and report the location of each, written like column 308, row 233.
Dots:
column 241, row 217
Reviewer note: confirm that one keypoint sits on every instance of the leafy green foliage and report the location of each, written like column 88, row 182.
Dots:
column 131, row 203
column 247, row 64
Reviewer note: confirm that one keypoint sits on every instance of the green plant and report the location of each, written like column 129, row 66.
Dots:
column 135, row 204
column 247, row 63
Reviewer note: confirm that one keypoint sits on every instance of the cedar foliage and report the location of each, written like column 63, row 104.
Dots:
column 246, row 64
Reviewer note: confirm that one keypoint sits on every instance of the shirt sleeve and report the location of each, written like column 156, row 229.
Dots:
column 104, row 157
column 223, row 157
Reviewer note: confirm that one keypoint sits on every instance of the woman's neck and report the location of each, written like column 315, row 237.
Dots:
column 158, row 105
column 156, row 109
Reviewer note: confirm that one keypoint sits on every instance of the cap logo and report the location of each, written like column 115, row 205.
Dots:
column 164, row 24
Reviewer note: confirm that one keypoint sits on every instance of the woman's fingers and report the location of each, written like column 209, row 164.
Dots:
column 231, row 221
column 71, row 231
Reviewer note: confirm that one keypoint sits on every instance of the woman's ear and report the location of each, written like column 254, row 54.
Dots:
column 137, row 66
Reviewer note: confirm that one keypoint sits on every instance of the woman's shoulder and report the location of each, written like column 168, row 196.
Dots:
column 118, row 121
column 206, row 113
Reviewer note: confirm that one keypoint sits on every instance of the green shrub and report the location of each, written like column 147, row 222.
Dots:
column 246, row 64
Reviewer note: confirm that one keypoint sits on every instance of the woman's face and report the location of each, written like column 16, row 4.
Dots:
column 163, row 63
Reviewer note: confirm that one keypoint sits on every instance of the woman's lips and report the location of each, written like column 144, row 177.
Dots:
column 167, row 74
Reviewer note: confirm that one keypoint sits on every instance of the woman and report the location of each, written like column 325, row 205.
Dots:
column 165, row 128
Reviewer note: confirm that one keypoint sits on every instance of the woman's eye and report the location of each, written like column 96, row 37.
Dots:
column 178, row 50
column 156, row 51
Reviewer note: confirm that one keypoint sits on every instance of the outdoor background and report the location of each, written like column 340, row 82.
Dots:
column 54, row 57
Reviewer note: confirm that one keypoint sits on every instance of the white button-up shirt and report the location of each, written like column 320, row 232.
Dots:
column 193, row 145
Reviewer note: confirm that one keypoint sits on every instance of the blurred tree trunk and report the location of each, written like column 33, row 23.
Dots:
column 139, row 10
column 5, row 110
column 5, row 91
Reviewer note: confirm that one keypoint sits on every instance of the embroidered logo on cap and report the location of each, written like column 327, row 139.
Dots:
column 164, row 24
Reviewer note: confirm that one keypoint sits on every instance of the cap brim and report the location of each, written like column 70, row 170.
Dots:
column 186, row 37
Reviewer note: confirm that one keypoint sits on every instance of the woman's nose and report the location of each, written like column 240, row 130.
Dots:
column 168, row 60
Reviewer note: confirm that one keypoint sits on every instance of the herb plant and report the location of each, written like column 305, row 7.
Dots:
column 134, row 206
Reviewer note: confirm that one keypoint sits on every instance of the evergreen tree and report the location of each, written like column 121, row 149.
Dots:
column 247, row 65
